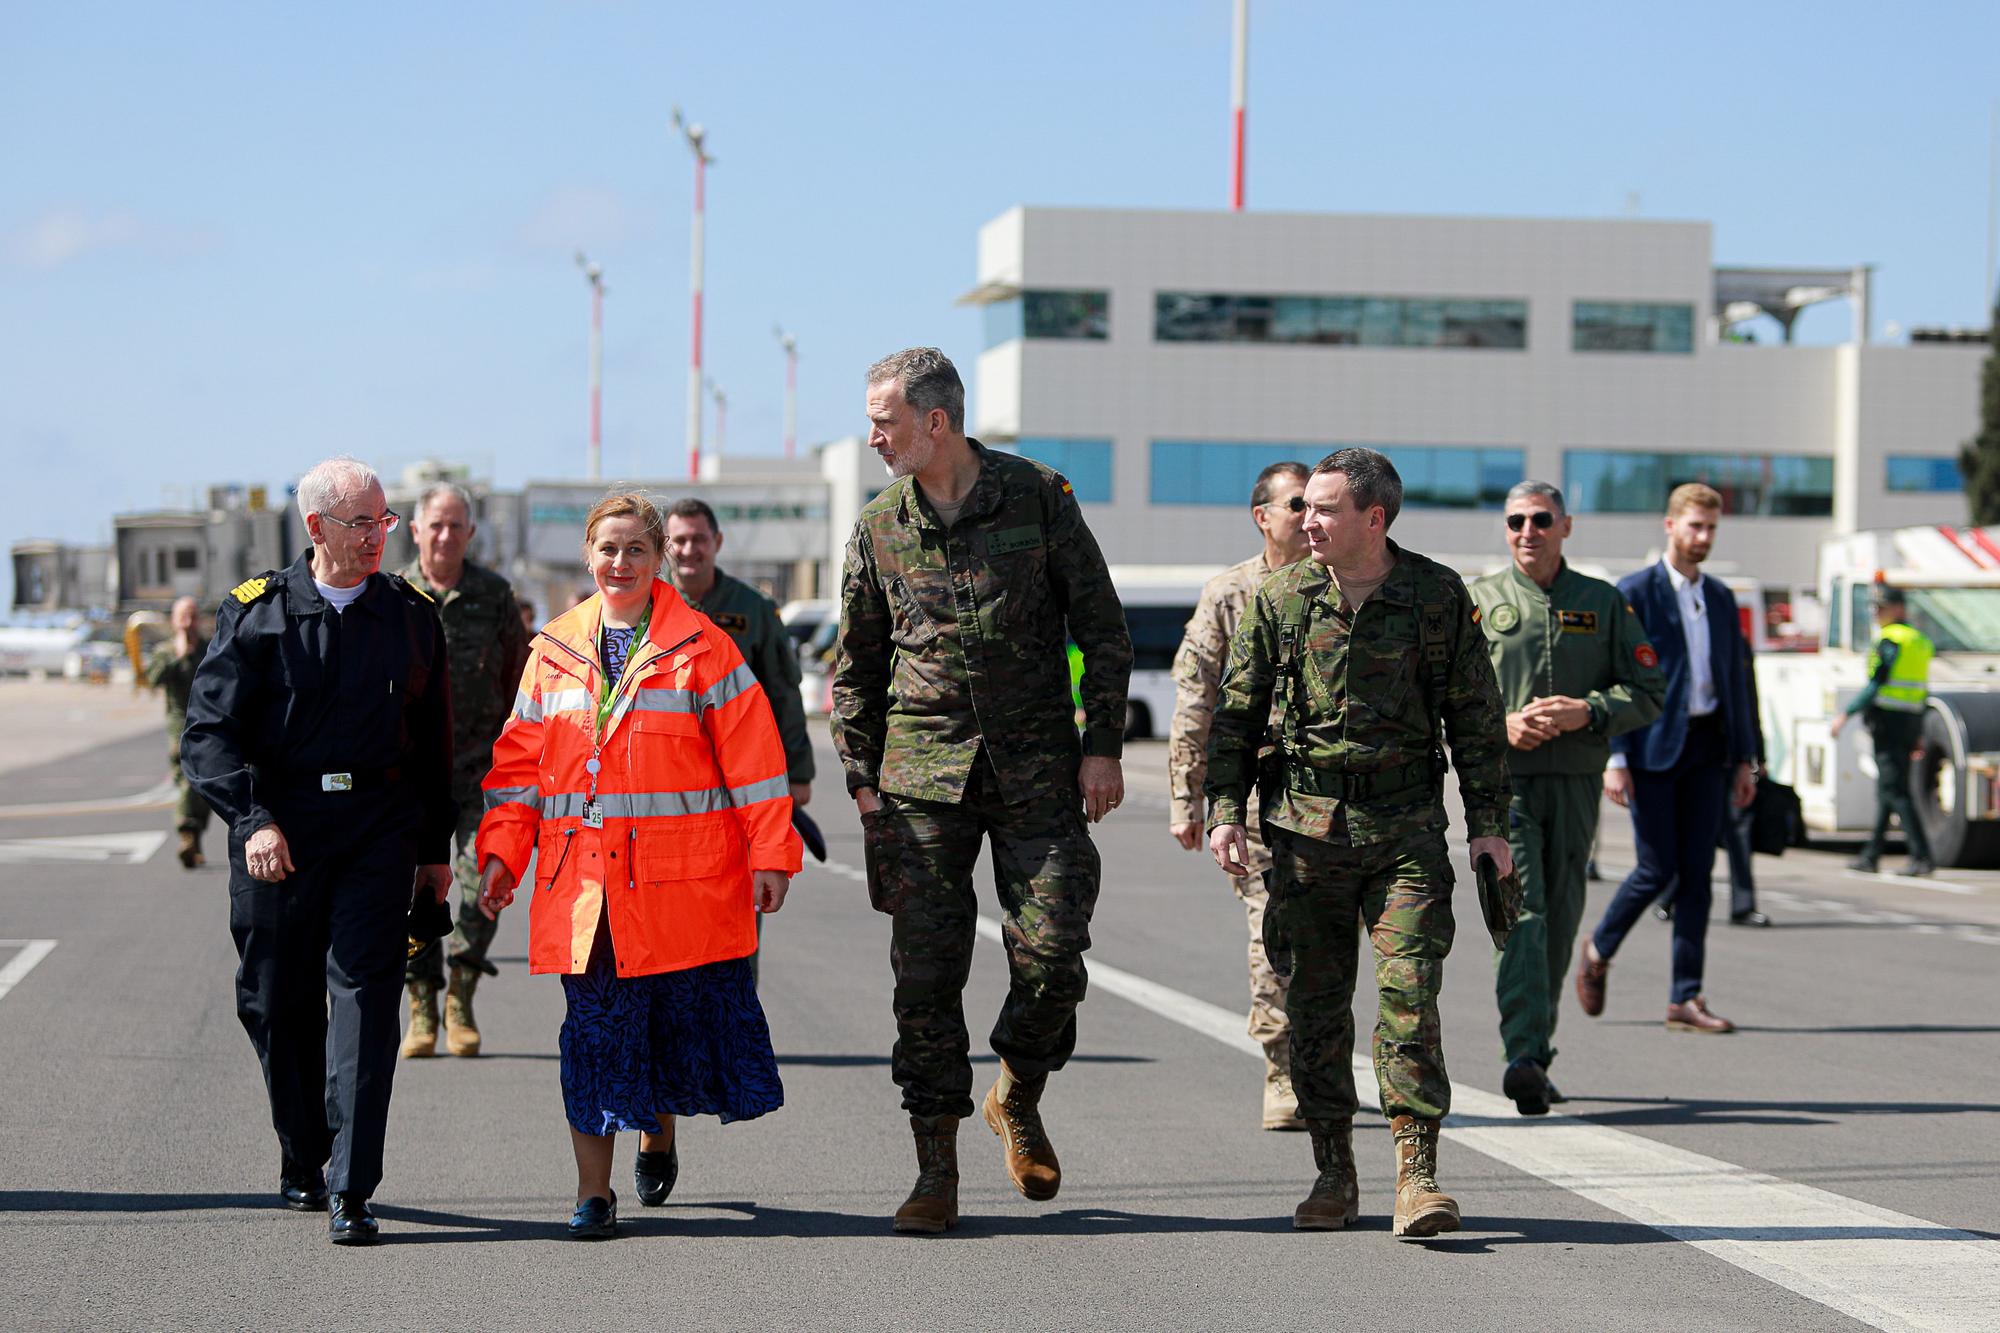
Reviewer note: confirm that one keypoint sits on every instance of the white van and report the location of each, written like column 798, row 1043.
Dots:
column 1159, row 601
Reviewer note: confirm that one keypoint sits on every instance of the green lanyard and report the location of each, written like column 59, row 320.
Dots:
column 607, row 688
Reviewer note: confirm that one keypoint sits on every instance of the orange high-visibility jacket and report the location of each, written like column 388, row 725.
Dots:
column 690, row 784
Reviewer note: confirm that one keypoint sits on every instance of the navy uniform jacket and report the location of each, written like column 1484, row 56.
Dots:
column 292, row 689
column 1656, row 747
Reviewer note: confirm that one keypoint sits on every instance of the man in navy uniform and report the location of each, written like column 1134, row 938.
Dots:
column 319, row 729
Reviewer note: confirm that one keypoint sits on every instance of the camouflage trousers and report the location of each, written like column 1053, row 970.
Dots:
column 472, row 934
column 1321, row 894
column 1268, row 1025
column 190, row 811
column 920, row 861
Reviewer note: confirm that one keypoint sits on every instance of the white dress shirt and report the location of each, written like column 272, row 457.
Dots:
column 1702, row 699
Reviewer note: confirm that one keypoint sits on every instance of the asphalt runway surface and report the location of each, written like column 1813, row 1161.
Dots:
column 1830, row 1166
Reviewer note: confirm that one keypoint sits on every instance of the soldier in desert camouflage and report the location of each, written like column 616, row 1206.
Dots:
column 1373, row 657
column 953, row 719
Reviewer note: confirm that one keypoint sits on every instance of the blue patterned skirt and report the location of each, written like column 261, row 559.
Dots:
column 681, row 1043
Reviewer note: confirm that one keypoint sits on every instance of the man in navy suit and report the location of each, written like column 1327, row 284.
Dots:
column 1675, row 773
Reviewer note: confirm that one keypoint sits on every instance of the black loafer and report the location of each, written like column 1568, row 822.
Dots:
column 1525, row 1082
column 1750, row 918
column 303, row 1193
column 595, row 1219
column 351, row 1222
column 1550, row 1091
column 654, row 1173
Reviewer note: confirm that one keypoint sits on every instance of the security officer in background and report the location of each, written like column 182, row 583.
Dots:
column 488, row 645
column 1891, row 706
column 1277, row 507
column 1575, row 669
column 319, row 728
column 1374, row 657
column 171, row 670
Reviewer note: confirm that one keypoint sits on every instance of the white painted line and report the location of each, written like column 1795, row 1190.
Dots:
column 23, row 962
column 127, row 848
column 155, row 798
column 1928, row 882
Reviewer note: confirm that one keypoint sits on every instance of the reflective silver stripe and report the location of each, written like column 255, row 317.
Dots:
column 526, row 709
column 728, row 687
column 566, row 701
column 638, row 804
column 499, row 796
column 752, row 792
column 663, row 701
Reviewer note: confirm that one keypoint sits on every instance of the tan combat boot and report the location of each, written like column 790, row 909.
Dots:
column 933, row 1205
column 1013, row 1111
column 461, row 1030
column 190, row 849
column 422, row 1038
column 1335, row 1200
column 1422, row 1209
column 1281, row 1103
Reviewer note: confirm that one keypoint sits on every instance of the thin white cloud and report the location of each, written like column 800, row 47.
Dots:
column 574, row 217
column 65, row 235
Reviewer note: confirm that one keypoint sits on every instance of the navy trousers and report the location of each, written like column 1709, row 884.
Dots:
column 1676, row 815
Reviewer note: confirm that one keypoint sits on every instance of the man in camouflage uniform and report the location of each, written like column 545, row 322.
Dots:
column 1575, row 669
column 750, row 619
column 1277, row 507
column 1373, row 657
column 488, row 646
column 171, row 671
column 951, row 712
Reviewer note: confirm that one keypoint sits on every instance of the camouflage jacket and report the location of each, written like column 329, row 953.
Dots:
column 751, row 619
column 1356, row 740
column 1578, row 639
column 951, row 639
column 174, row 677
column 1198, row 665
column 488, row 647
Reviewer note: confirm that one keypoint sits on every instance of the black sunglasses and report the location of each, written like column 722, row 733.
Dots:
column 1543, row 519
column 1297, row 504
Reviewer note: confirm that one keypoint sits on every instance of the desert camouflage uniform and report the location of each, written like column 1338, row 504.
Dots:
column 1353, row 807
column 488, row 647
column 1198, row 666
column 174, row 677
column 951, row 699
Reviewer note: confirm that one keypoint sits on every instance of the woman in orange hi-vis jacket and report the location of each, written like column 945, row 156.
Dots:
column 644, row 772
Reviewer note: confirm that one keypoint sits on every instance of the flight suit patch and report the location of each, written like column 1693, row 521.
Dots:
column 1505, row 617
column 1009, row 540
column 1579, row 622
column 1645, row 655
column 730, row 621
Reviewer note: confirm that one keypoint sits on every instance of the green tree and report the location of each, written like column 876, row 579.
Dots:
column 1979, row 461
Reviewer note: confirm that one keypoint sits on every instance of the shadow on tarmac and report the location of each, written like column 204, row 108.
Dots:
column 1649, row 1111
column 1479, row 1235
column 882, row 1061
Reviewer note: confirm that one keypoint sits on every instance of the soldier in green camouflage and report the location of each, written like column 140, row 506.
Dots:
column 1575, row 669
column 171, row 671
column 952, row 716
column 1277, row 506
column 1373, row 657
column 750, row 619
column 488, row 646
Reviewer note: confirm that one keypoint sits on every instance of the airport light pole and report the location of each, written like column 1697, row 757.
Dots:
column 791, row 346
column 721, row 420
column 1239, row 87
column 594, row 274
column 696, row 137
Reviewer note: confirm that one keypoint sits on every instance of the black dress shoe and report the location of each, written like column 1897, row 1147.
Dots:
column 1753, row 917
column 1867, row 865
column 1917, row 866
column 351, row 1222
column 654, row 1173
column 1554, row 1094
column 1525, row 1082
column 1664, row 912
column 302, row 1193
column 595, row 1219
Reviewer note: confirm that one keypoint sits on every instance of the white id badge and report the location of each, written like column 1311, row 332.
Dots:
column 593, row 815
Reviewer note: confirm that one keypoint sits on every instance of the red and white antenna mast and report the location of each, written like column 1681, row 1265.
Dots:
column 1239, row 87
column 594, row 274
column 695, row 139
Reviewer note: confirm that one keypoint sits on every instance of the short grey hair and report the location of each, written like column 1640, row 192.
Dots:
column 1371, row 480
column 452, row 488
column 1260, row 492
column 929, row 381
column 1547, row 490
column 329, row 482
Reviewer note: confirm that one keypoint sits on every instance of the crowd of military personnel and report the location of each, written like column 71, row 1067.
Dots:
column 1326, row 686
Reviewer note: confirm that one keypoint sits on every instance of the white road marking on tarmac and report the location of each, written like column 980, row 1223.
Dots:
column 1930, row 882
column 1884, row 1268
column 23, row 962
column 154, row 798
column 128, row 848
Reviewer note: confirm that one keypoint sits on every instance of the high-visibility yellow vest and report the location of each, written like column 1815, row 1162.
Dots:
column 1907, row 686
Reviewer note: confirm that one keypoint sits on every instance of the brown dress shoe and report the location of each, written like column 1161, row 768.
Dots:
column 1695, row 1017
column 1591, row 974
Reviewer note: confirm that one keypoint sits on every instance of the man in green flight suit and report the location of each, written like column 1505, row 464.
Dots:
column 1373, row 657
column 488, row 646
column 1575, row 669
column 171, row 670
column 750, row 619
column 952, row 715
column 1891, row 706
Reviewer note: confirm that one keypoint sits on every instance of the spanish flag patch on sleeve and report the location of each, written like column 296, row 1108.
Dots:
column 1068, row 489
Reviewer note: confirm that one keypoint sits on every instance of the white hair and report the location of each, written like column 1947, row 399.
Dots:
column 327, row 483
column 438, row 489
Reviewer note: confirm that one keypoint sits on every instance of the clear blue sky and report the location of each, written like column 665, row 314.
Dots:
column 235, row 238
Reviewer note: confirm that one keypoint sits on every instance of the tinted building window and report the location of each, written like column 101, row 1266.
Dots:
column 1049, row 314
column 1603, row 326
column 1194, row 472
column 1085, row 464
column 1908, row 472
column 1619, row 482
column 1361, row 321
